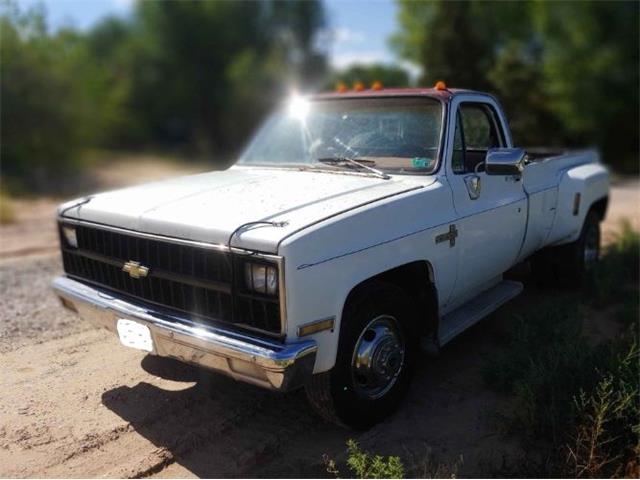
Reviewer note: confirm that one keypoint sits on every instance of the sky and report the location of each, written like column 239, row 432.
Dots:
column 359, row 29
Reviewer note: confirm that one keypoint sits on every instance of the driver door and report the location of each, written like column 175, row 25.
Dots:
column 491, row 210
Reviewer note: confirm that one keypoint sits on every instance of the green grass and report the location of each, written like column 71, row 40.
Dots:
column 615, row 278
column 363, row 464
column 576, row 404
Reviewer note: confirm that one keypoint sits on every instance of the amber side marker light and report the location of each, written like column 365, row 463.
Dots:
column 341, row 87
column 358, row 86
column 315, row 327
column 440, row 85
column 376, row 85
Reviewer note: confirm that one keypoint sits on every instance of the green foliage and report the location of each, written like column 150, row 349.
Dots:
column 363, row 464
column 190, row 75
column 591, row 69
column 205, row 73
column 545, row 363
column 387, row 75
column 577, row 403
column 567, row 72
column 44, row 111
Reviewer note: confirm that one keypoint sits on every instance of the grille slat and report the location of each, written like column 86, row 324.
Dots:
column 191, row 279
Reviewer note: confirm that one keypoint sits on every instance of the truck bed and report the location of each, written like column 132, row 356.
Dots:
column 561, row 187
column 540, row 154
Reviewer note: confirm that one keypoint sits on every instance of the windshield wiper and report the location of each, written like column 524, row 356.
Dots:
column 344, row 161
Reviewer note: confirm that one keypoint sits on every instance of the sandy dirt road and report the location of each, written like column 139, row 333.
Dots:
column 74, row 403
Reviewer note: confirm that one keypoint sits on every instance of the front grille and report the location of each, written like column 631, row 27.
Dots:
column 190, row 279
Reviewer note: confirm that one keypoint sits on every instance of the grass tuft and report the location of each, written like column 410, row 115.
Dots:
column 363, row 464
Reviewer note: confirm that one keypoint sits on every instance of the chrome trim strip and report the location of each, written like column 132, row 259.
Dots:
column 390, row 240
column 263, row 362
column 179, row 241
column 279, row 260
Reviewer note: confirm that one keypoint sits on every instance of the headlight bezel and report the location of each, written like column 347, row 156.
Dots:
column 261, row 278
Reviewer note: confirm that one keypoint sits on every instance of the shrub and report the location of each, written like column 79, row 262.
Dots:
column 363, row 464
column 606, row 436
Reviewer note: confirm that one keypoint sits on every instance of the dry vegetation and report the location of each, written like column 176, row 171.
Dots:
column 7, row 212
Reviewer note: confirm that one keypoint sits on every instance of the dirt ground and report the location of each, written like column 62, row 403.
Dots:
column 74, row 403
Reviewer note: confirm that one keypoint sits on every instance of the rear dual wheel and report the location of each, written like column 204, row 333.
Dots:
column 566, row 265
column 374, row 362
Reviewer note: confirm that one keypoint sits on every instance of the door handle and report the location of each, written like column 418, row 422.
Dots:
column 473, row 186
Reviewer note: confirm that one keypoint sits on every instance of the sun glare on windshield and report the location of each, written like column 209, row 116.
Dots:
column 400, row 135
column 298, row 107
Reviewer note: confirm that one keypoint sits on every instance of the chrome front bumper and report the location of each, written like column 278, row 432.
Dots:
column 262, row 362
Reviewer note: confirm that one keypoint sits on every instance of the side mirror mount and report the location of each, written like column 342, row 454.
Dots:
column 504, row 161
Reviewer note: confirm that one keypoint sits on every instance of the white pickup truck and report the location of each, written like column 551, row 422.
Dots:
column 355, row 228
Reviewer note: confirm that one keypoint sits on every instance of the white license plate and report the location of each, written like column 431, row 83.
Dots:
column 135, row 335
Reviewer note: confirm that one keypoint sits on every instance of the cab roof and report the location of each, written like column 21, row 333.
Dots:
column 446, row 94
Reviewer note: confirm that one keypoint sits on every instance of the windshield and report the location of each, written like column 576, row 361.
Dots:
column 391, row 134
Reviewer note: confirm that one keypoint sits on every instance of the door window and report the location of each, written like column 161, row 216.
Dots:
column 477, row 130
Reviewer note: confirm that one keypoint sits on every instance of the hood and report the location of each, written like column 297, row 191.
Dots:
column 208, row 207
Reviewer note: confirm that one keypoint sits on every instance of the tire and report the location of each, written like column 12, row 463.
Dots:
column 379, row 320
column 566, row 265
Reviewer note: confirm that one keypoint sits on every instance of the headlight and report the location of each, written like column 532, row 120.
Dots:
column 261, row 278
column 70, row 236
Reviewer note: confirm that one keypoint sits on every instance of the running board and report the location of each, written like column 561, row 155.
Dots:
column 456, row 322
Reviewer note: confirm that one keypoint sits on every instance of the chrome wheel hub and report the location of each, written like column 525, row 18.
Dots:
column 378, row 357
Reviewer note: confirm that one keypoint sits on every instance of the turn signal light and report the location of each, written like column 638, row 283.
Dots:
column 440, row 85
column 341, row 87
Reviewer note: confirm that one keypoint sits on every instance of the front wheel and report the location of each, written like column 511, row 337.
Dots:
column 374, row 361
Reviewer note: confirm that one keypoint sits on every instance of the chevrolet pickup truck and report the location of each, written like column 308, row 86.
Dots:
column 357, row 228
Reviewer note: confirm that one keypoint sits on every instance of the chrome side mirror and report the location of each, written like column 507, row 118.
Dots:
column 504, row 161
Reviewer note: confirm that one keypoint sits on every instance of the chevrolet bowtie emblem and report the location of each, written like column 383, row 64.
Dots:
column 135, row 270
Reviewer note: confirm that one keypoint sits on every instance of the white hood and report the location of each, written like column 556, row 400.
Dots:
column 208, row 207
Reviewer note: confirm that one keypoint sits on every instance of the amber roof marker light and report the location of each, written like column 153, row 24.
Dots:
column 440, row 86
column 341, row 87
column 377, row 85
column 358, row 86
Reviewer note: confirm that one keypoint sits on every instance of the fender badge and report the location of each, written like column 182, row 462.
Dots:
column 135, row 270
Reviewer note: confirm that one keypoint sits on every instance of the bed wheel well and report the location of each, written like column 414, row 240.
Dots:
column 416, row 280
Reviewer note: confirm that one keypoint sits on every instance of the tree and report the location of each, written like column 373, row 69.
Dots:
column 46, row 113
column 207, row 72
column 591, row 69
column 567, row 72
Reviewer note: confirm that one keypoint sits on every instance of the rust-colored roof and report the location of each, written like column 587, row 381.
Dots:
column 393, row 92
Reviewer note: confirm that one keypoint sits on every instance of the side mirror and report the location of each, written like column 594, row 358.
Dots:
column 504, row 161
